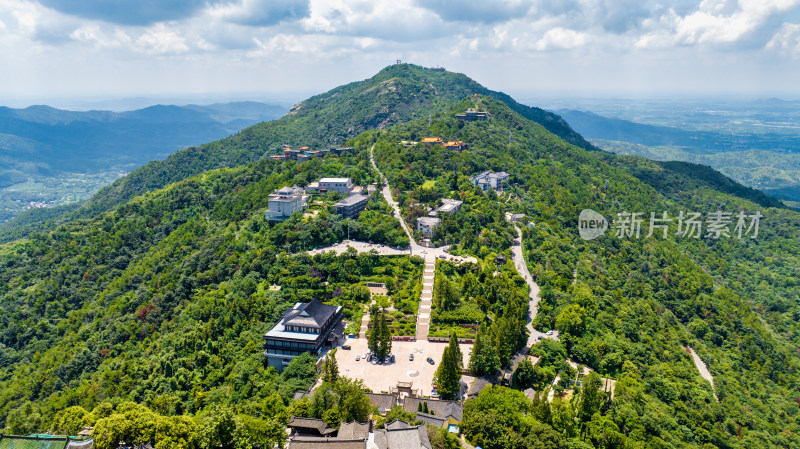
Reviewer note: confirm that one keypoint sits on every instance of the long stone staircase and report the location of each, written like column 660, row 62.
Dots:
column 426, row 299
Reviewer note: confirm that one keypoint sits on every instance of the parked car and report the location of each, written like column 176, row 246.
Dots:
column 369, row 358
column 548, row 333
column 364, row 356
column 430, row 360
column 391, row 359
column 346, row 347
column 411, row 357
column 358, row 357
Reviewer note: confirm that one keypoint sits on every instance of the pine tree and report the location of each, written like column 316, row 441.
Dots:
column 384, row 337
column 330, row 370
column 455, row 351
column 524, row 374
column 448, row 374
column 372, row 341
column 484, row 358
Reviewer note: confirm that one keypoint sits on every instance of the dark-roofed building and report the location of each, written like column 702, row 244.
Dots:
column 309, row 427
column 306, row 327
column 435, row 421
column 490, row 180
column 408, row 438
column 353, row 430
column 451, row 411
column 383, row 402
column 476, row 387
column 351, row 206
column 471, row 115
column 326, row 443
column 300, row 395
column 397, row 424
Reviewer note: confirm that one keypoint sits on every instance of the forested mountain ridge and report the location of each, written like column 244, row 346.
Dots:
column 163, row 299
column 637, row 300
column 55, row 157
column 396, row 94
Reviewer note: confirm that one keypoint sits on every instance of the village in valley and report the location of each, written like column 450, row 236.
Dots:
column 403, row 366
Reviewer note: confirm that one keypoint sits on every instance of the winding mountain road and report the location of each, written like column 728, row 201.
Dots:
column 533, row 298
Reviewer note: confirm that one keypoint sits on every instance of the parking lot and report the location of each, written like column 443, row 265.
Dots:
column 382, row 378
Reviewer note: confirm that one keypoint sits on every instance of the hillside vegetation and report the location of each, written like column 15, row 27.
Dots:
column 396, row 94
column 162, row 299
column 54, row 157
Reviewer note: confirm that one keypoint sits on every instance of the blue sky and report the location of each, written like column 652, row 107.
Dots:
column 124, row 48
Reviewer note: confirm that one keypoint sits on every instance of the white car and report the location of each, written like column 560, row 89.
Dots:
column 549, row 333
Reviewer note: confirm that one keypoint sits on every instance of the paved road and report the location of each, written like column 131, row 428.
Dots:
column 415, row 248
column 704, row 372
column 533, row 304
column 361, row 247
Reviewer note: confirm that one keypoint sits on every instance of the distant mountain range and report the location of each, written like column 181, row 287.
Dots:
column 41, row 146
column 147, row 305
column 769, row 161
column 593, row 126
column 59, row 140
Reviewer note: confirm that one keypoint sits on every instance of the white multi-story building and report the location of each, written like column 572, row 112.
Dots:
column 490, row 180
column 342, row 185
column 449, row 206
column 284, row 202
column 427, row 225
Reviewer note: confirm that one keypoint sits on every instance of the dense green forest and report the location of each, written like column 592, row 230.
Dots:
column 396, row 94
column 777, row 174
column 639, row 302
column 154, row 310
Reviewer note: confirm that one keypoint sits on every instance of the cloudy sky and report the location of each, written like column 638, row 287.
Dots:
column 123, row 48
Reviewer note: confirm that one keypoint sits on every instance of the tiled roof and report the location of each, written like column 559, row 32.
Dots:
column 476, row 387
column 326, row 443
column 353, row 431
column 384, row 402
column 443, row 409
column 300, row 395
column 436, row 421
column 410, row 438
column 350, row 200
column 397, row 424
column 307, row 424
column 309, row 314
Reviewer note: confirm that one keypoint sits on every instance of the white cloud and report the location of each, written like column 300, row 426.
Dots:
column 713, row 23
column 786, row 39
column 221, row 36
column 161, row 40
column 561, row 39
column 260, row 13
column 399, row 21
